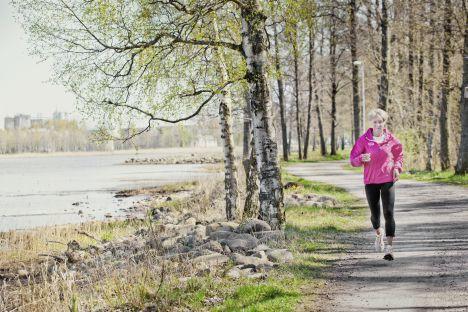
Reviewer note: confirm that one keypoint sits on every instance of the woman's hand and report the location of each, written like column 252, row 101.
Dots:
column 396, row 175
column 365, row 157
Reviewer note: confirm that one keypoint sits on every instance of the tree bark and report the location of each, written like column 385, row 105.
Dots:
column 296, row 90
column 334, row 85
column 230, row 170
column 430, row 92
column 251, row 204
column 255, row 46
column 280, row 82
column 410, row 55
column 323, row 146
column 355, row 78
column 311, row 90
column 384, row 55
column 462, row 162
column 445, row 88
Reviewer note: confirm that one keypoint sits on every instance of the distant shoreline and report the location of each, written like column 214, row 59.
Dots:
column 164, row 150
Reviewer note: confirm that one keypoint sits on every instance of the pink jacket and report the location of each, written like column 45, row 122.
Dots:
column 385, row 157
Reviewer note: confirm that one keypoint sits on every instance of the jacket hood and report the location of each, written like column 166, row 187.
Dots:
column 388, row 135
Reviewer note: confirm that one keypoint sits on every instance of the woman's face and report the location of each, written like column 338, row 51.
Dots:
column 378, row 124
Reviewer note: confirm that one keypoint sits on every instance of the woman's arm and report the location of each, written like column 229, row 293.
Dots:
column 397, row 151
column 356, row 154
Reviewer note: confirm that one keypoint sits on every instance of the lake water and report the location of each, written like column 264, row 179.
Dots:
column 37, row 191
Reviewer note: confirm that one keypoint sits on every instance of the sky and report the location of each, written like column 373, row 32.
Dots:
column 23, row 79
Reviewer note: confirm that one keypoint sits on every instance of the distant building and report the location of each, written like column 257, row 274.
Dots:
column 38, row 122
column 60, row 115
column 9, row 123
column 22, row 121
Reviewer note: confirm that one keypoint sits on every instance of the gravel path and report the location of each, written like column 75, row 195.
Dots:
column 430, row 270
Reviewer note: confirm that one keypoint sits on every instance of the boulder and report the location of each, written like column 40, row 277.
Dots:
column 221, row 226
column 254, row 225
column 265, row 236
column 249, row 260
column 240, row 242
column 219, row 235
column 213, row 246
column 279, row 255
column 213, row 259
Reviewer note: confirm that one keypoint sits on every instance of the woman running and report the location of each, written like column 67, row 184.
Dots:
column 381, row 154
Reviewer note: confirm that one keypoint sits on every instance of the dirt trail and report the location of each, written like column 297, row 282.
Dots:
column 430, row 270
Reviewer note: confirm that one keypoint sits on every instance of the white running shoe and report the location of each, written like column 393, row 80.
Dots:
column 388, row 252
column 379, row 244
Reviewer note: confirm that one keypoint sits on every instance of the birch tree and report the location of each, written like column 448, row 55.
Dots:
column 154, row 61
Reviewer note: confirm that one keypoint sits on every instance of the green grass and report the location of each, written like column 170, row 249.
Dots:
column 262, row 297
column 315, row 156
column 448, row 177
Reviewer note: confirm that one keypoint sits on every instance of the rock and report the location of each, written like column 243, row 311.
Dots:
column 221, row 226
column 279, row 255
column 261, row 247
column 254, row 225
column 237, row 244
column 266, row 236
column 240, row 242
column 213, row 246
column 226, row 249
column 213, row 259
column 257, row 262
column 229, row 226
column 259, row 254
column 236, row 272
column 179, row 230
column 200, row 232
column 191, row 221
column 219, row 235
column 169, row 242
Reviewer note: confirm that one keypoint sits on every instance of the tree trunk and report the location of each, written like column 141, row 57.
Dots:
column 246, row 131
column 410, row 56
column 230, row 170
column 384, row 54
column 420, row 81
column 462, row 162
column 280, row 82
column 355, row 78
column 251, row 204
column 323, row 146
column 445, row 88
column 334, row 86
column 255, row 46
column 311, row 76
column 296, row 90
column 430, row 92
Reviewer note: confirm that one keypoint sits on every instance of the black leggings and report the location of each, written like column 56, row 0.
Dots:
column 373, row 194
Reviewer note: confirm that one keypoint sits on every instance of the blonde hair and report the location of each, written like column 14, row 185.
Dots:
column 378, row 112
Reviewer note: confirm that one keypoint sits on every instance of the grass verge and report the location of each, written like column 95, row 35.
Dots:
column 315, row 156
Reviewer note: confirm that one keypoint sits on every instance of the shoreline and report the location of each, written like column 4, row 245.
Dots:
column 163, row 150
